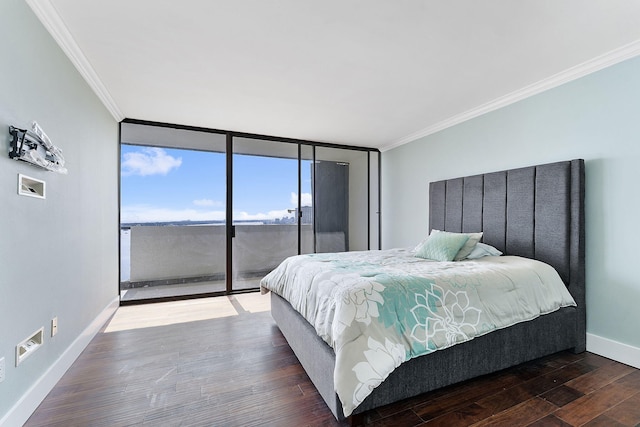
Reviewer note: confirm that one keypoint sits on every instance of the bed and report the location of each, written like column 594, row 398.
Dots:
column 534, row 212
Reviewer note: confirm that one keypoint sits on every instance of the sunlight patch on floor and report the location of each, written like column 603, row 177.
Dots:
column 168, row 313
column 254, row 302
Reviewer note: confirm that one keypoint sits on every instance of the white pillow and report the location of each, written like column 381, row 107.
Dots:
column 482, row 250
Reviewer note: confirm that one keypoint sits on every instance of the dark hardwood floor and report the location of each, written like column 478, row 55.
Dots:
column 239, row 371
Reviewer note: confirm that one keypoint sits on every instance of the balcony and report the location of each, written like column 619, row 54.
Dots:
column 171, row 260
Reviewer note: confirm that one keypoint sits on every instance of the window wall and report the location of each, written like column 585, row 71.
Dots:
column 207, row 212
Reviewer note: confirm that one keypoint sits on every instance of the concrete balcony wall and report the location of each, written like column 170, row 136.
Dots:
column 172, row 252
column 258, row 249
column 181, row 252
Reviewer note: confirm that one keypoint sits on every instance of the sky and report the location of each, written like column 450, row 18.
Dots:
column 163, row 184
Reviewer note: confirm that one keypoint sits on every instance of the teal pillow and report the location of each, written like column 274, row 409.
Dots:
column 442, row 246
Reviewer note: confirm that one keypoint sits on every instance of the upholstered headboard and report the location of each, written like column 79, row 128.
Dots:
column 535, row 212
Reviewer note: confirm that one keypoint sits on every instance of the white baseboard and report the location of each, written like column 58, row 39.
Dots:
column 28, row 403
column 617, row 351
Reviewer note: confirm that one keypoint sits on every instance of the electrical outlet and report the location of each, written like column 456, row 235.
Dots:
column 54, row 326
column 2, row 369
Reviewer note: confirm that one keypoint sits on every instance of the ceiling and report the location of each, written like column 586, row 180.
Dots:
column 373, row 73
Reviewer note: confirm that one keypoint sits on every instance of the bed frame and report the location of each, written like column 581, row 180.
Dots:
column 535, row 212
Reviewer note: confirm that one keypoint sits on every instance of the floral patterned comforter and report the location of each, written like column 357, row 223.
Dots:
column 378, row 309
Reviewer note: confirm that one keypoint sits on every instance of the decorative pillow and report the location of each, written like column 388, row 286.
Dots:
column 419, row 245
column 474, row 238
column 442, row 246
column 482, row 250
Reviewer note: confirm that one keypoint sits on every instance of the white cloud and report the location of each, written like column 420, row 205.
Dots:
column 207, row 202
column 306, row 200
column 149, row 161
column 245, row 216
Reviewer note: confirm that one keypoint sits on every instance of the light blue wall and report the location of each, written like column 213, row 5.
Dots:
column 596, row 118
column 59, row 256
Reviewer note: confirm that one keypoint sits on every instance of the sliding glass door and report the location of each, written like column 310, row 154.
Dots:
column 172, row 213
column 340, row 194
column 265, row 207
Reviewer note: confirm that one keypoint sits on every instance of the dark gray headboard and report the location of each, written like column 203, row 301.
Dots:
column 535, row 212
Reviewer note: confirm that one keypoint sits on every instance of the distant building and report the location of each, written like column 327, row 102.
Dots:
column 307, row 215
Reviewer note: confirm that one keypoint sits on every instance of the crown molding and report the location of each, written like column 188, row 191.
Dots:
column 596, row 64
column 49, row 17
